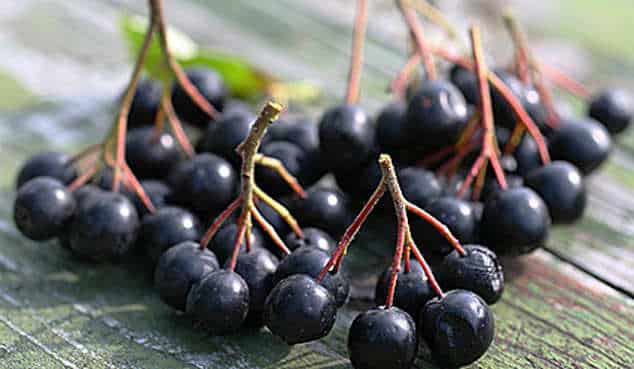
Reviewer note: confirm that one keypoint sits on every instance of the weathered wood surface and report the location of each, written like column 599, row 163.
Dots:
column 59, row 313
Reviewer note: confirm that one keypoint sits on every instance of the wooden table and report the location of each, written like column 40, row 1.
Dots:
column 567, row 306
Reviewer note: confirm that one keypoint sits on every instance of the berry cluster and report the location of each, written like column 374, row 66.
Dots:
column 189, row 210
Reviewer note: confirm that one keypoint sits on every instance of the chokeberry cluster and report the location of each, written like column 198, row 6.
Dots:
column 482, row 159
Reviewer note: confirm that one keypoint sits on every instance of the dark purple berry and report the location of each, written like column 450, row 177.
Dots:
column 179, row 268
column 47, row 164
column 383, row 338
column 220, row 301
column 583, row 142
column 42, row 208
column 222, row 242
column 167, row 227
column 479, row 271
column 222, row 137
column 298, row 310
column 562, row 188
column 145, row 103
column 515, row 221
column 458, row 328
column 614, row 109
column 206, row 184
column 313, row 237
column 346, row 137
column 159, row 193
column 151, row 155
column 104, row 227
column 419, row 186
column 324, row 208
column 310, row 261
column 294, row 161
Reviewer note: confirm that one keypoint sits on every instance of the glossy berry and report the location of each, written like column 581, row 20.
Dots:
column 222, row 137
column 298, row 310
column 159, row 192
column 206, row 184
column 390, row 131
column 526, row 153
column 83, row 193
column 583, row 142
column 210, row 85
column 515, row 221
column 179, row 268
column 145, row 103
column 47, row 164
column 502, row 111
column 42, row 208
column 257, row 268
column 614, row 109
column 457, row 328
column 419, row 186
column 313, row 237
column 310, row 261
column 104, row 228
column 324, row 208
column 456, row 214
column 383, row 338
column 436, row 114
column 346, row 136
column 167, row 227
column 294, row 160
column 359, row 183
column 492, row 186
column 151, row 155
column 220, row 301
column 412, row 289
column 562, row 188
column 222, row 242
column 479, row 271
column 467, row 82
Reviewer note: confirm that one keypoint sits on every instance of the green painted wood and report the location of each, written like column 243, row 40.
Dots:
column 56, row 312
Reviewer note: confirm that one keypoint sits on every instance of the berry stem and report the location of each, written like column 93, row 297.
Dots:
column 217, row 223
column 440, row 228
column 191, row 90
column 436, row 16
column 270, row 230
column 564, row 81
column 138, row 189
column 356, row 57
column 175, row 123
column 352, row 230
column 399, row 84
column 431, row 279
column 277, row 166
column 416, row 30
column 280, row 210
column 120, row 127
column 489, row 150
column 83, row 178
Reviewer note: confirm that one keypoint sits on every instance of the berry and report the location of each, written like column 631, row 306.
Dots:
column 324, row 208
column 158, row 191
column 222, row 137
column 104, row 228
column 467, row 82
column 298, row 310
column 456, row 214
column 492, row 186
column 502, row 112
column 310, row 261
column 220, row 301
column 359, row 183
column 274, row 219
column 479, row 271
column 383, row 338
column 145, row 103
column 257, row 268
column 211, row 87
column 103, row 179
column 419, row 186
column 412, row 290
column 151, row 155
column 458, row 328
column 583, row 142
column 515, row 221
column 346, row 136
column 390, row 127
column 313, row 237
column 47, row 164
column 165, row 228
column 562, row 188
column 42, row 208
column 436, row 114
column 526, row 153
column 612, row 108
column 294, row 160
column 179, row 268
column 222, row 242
column 205, row 184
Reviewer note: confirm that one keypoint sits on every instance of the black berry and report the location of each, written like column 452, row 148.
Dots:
column 222, row 137
column 614, row 109
column 222, row 242
column 165, row 228
column 313, row 237
column 151, row 155
column 412, row 290
column 47, row 164
column 210, row 85
column 145, row 103
column 324, row 208
column 582, row 142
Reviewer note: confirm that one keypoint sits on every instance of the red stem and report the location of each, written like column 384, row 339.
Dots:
column 441, row 228
column 242, row 228
column 82, row 179
column 398, row 255
column 220, row 219
column 268, row 229
column 138, row 189
column 430, row 276
column 356, row 58
column 399, row 84
column 565, row 82
column 416, row 30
